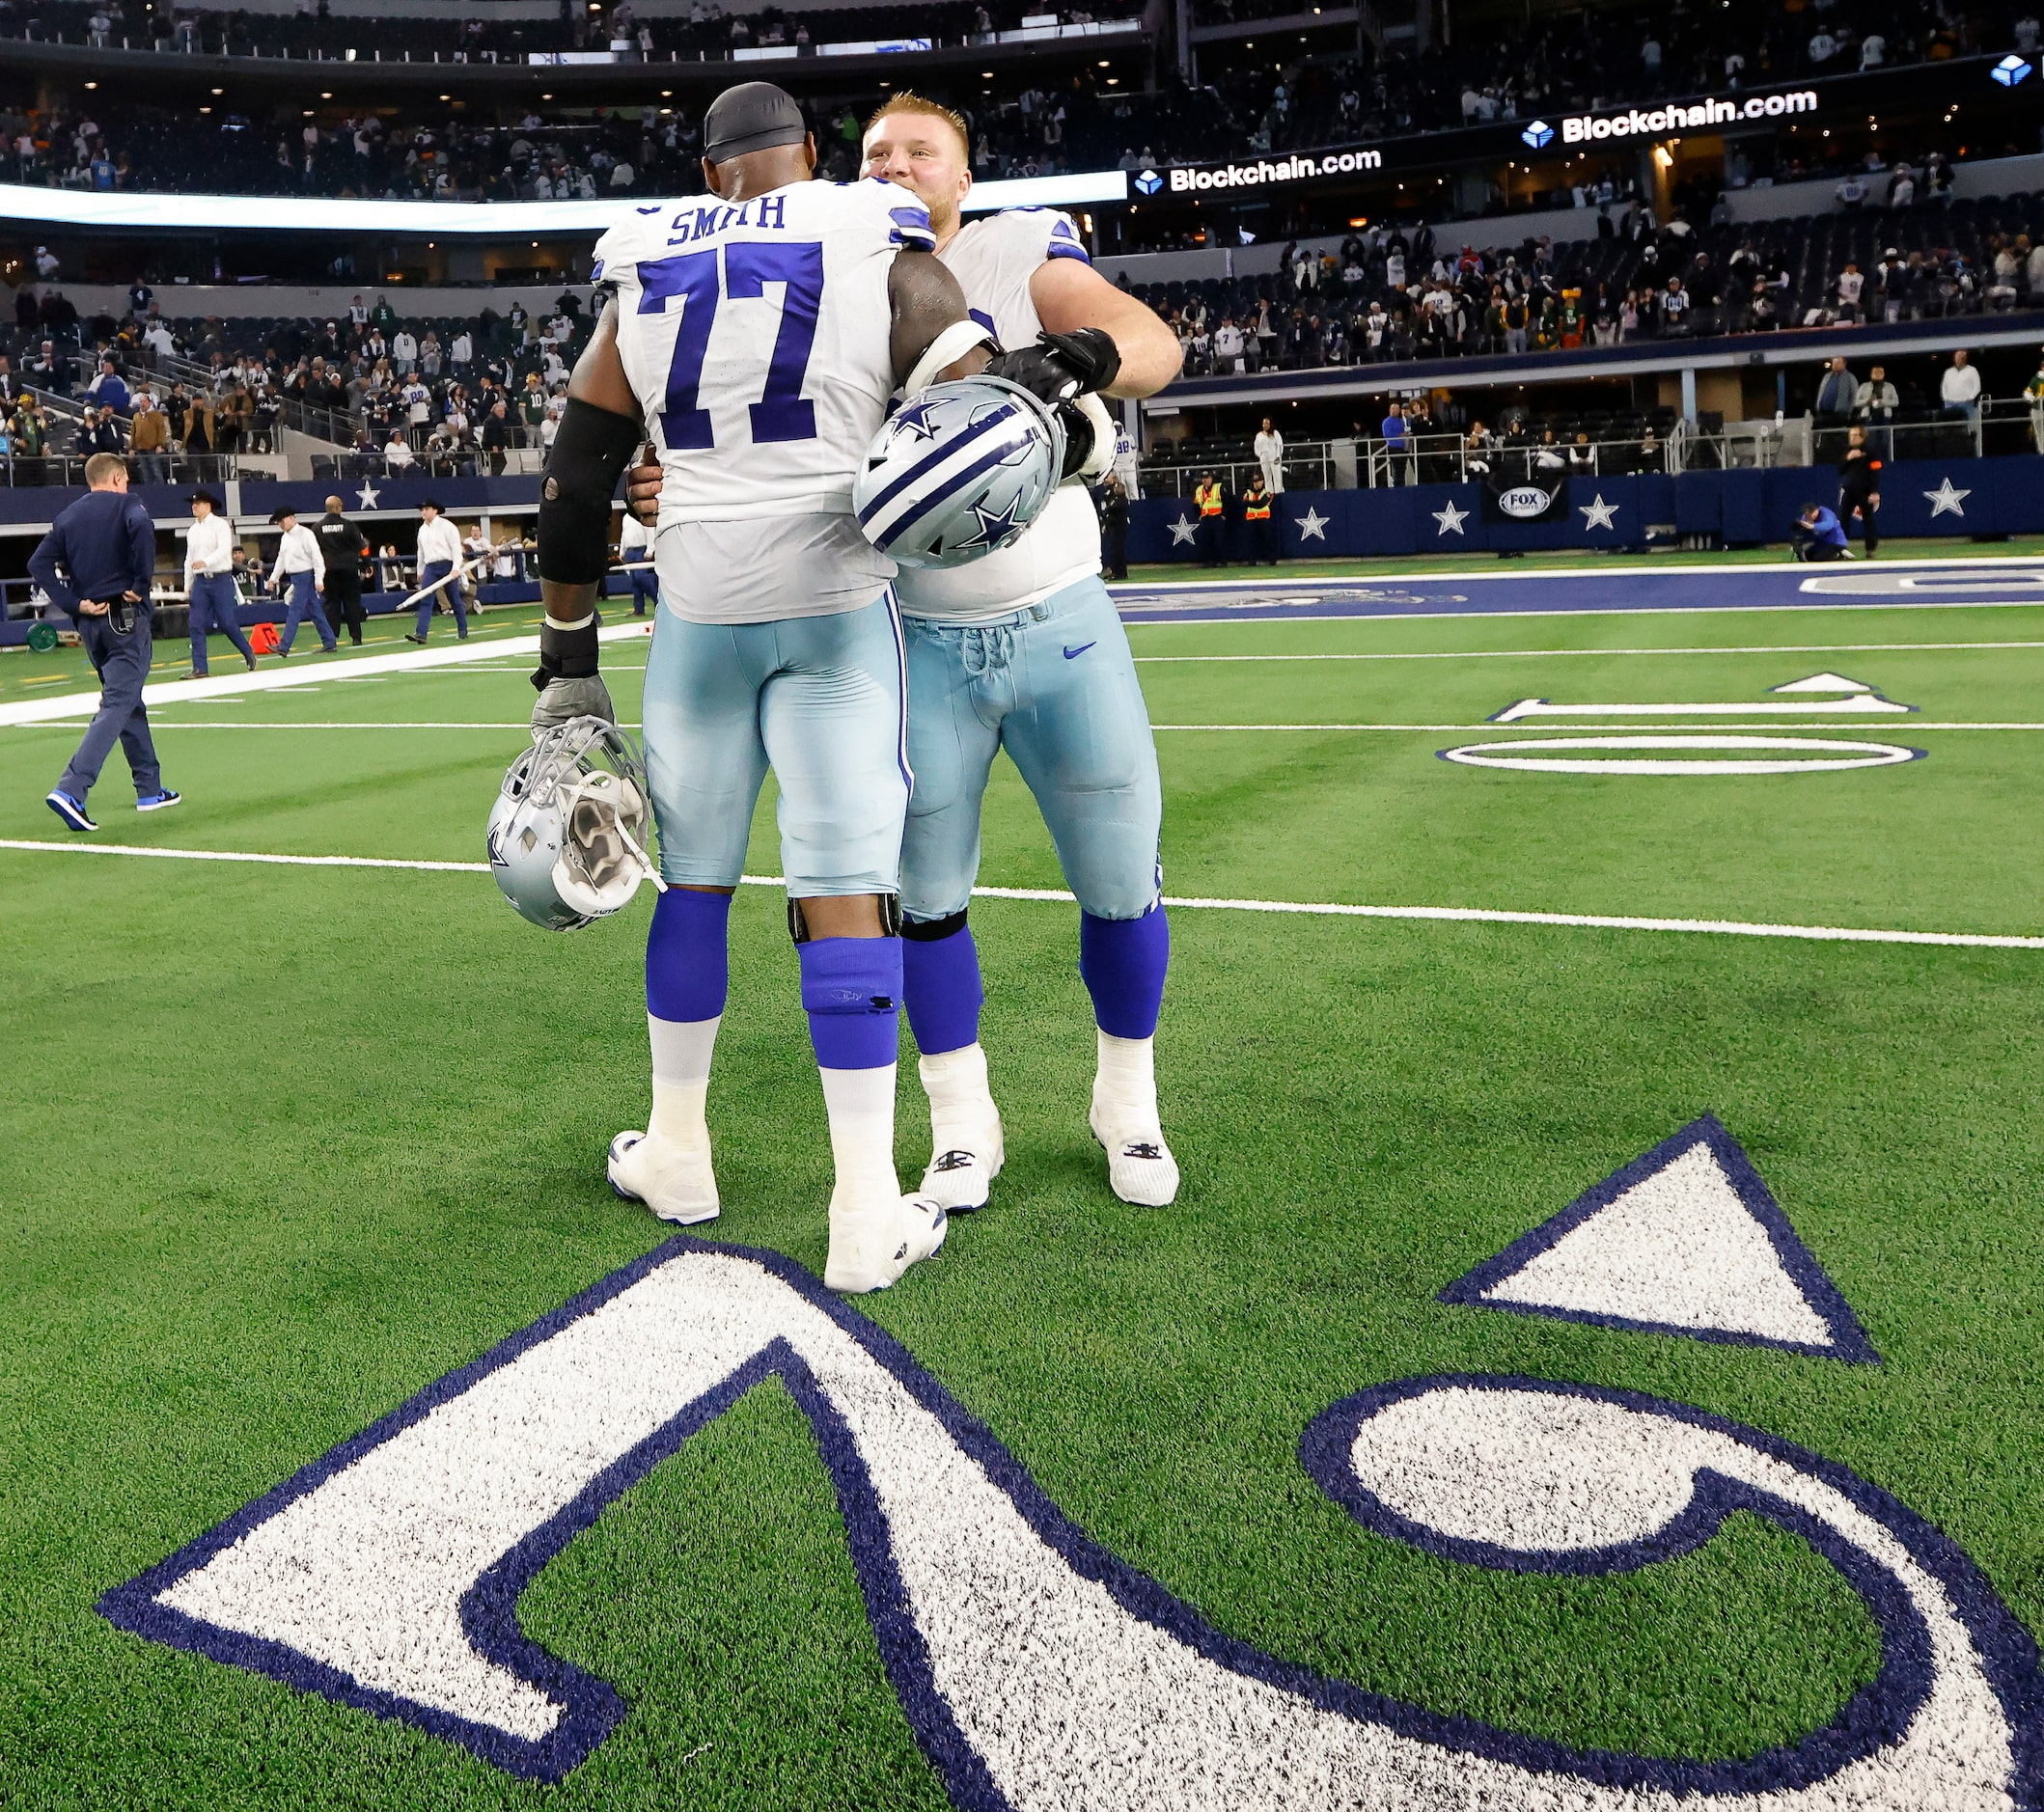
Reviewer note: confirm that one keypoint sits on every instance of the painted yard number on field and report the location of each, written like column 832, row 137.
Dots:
column 1692, row 753
column 1041, row 1672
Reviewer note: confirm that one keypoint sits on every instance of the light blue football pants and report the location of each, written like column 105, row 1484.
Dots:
column 816, row 698
column 1055, row 685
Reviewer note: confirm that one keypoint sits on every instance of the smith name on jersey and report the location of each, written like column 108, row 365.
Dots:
column 756, row 335
column 993, row 260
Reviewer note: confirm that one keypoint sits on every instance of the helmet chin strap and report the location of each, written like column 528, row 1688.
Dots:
column 948, row 348
column 646, row 862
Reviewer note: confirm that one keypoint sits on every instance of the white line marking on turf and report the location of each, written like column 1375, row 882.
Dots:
column 1859, row 704
column 1793, row 754
column 1542, row 655
column 1993, row 566
column 279, row 679
column 170, row 724
column 1311, row 909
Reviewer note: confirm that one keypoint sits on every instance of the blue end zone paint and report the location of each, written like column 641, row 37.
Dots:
column 592, row 1708
column 1889, row 585
column 1848, row 1339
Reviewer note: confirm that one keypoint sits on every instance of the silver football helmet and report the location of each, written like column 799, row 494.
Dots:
column 960, row 469
column 568, row 835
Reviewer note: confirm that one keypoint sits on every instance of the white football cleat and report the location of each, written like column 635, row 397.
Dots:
column 871, row 1246
column 967, row 1149
column 1140, row 1167
column 675, row 1181
column 960, row 1174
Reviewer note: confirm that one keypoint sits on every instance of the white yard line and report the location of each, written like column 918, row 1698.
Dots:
column 1490, row 724
column 1859, row 704
column 1989, row 563
column 287, row 678
column 1542, row 655
column 1468, row 915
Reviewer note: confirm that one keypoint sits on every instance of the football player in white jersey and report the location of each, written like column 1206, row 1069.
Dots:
column 1024, row 650
column 756, row 335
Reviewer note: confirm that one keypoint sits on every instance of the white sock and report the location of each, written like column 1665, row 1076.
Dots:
column 1125, row 1086
column 681, row 1057
column 955, row 1082
column 861, row 1104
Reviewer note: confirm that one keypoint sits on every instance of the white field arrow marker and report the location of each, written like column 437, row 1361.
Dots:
column 1823, row 682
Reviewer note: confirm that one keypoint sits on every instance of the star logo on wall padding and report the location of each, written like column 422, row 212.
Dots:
column 1182, row 532
column 1312, row 525
column 1597, row 513
column 1451, row 519
column 1946, row 498
column 368, row 496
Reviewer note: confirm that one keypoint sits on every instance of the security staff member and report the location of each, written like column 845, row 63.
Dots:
column 1212, row 505
column 1263, row 531
column 439, row 554
column 210, row 581
column 95, row 564
column 635, row 544
column 300, row 575
column 1860, row 488
column 341, row 547
column 1113, row 528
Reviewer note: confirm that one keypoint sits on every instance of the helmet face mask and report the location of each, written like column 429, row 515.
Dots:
column 568, row 833
column 961, row 469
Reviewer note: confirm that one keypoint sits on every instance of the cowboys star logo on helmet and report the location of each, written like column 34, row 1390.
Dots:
column 964, row 459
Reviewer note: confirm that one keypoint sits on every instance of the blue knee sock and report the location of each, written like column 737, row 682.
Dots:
column 851, row 989
column 1122, row 963
column 940, row 986
column 687, row 966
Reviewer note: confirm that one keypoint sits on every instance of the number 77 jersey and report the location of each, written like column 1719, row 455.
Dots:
column 756, row 335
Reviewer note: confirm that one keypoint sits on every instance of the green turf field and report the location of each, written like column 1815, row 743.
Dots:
column 291, row 1142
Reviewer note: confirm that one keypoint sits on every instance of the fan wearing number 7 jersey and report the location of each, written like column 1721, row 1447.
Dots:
column 755, row 335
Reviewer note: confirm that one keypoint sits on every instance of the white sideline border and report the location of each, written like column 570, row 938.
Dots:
column 1576, row 726
column 1452, row 915
column 76, row 704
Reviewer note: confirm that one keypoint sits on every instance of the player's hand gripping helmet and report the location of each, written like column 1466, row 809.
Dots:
column 568, row 835
column 960, row 470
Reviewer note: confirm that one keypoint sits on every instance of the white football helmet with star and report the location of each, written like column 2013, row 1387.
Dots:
column 961, row 469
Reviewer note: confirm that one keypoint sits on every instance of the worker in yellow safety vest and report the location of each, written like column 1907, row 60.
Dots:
column 1263, row 531
column 1211, row 503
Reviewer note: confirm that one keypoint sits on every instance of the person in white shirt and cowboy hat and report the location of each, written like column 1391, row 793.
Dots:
column 209, row 582
column 439, row 555
column 300, row 576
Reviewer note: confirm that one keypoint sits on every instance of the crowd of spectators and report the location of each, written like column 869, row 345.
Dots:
column 1394, row 294
column 705, row 31
column 1024, row 124
column 647, row 149
column 1597, row 57
column 455, row 396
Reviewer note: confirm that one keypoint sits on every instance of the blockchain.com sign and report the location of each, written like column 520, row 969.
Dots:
column 1683, row 117
column 1184, row 179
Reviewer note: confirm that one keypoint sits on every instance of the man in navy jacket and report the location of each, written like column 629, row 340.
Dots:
column 95, row 564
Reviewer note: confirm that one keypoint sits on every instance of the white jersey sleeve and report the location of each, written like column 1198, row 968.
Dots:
column 994, row 259
column 757, row 338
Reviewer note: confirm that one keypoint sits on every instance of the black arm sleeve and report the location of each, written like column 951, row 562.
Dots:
column 590, row 455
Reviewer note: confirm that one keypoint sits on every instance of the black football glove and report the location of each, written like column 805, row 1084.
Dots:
column 1059, row 367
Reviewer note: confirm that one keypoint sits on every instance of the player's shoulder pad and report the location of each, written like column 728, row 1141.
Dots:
column 1044, row 233
column 624, row 243
column 908, row 218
